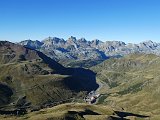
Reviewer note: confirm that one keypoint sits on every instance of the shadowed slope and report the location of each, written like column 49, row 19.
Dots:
column 5, row 94
column 36, row 79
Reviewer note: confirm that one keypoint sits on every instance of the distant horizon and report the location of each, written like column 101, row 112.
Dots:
column 77, row 39
column 107, row 20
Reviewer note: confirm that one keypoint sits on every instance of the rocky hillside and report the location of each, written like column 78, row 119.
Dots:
column 131, row 83
column 29, row 78
column 81, row 49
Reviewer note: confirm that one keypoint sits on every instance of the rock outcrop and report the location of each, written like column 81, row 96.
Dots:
column 81, row 49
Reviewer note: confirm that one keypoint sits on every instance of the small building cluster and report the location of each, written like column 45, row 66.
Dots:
column 91, row 97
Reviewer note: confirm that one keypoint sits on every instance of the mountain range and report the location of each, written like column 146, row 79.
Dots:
column 80, row 49
column 128, row 84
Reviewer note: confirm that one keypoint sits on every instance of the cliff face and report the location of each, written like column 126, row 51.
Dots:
column 81, row 49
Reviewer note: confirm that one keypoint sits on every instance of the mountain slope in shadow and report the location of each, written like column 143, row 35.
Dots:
column 30, row 78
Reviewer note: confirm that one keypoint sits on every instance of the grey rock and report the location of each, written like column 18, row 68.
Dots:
column 81, row 49
column 31, row 44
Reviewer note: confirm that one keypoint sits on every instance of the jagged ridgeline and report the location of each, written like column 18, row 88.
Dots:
column 83, row 53
column 29, row 78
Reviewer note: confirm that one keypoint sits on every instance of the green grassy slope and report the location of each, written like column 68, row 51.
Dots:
column 77, row 111
column 131, row 83
column 69, row 111
column 29, row 78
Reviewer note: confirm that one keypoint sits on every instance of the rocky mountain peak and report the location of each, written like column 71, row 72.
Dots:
column 96, row 42
column 82, row 40
column 115, row 43
column 149, row 44
column 51, row 39
column 79, row 49
column 31, row 44
column 72, row 39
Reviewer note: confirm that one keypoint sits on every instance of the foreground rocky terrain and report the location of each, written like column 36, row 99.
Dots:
column 82, row 50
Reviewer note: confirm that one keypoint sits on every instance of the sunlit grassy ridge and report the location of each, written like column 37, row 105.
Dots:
column 70, row 111
column 132, row 83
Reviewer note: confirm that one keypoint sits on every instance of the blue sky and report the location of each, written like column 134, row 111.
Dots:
column 126, row 20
